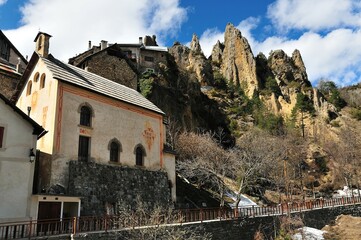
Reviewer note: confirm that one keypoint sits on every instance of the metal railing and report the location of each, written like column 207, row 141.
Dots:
column 53, row 227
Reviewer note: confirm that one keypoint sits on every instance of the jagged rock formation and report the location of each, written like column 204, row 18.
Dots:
column 238, row 63
column 217, row 54
column 288, row 69
column 193, row 60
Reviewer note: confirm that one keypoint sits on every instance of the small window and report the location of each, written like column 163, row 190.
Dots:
column 28, row 90
column 139, row 155
column 85, row 116
column 83, row 148
column 148, row 59
column 36, row 77
column 42, row 80
column 2, row 130
column 114, row 152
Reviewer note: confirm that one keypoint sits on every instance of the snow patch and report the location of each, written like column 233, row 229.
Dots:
column 309, row 234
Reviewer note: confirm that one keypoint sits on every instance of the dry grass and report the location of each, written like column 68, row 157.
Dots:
column 345, row 228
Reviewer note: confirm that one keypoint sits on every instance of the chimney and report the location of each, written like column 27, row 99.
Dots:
column 103, row 44
column 89, row 45
column 140, row 40
column 18, row 65
column 42, row 44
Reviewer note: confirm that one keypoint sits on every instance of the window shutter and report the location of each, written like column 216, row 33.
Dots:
column 1, row 136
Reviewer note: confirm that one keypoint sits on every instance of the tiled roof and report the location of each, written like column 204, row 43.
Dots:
column 74, row 75
column 156, row 48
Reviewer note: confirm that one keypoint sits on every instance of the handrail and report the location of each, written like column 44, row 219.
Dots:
column 52, row 227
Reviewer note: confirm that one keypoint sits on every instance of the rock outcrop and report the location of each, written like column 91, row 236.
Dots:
column 217, row 53
column 193, row 60
column 288, row 69
column 238, row 63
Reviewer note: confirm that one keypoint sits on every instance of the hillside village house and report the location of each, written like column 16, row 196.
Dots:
column 18, row 136
column 121, row 62
column 97, row 130
column 12, row 65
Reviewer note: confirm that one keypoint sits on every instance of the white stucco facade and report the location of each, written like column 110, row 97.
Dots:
column 16, row 170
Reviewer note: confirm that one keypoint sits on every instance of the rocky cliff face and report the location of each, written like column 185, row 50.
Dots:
column 193, row 60
column 276, row 79
column 288, row 69
column 177, row 91
column 238, row 64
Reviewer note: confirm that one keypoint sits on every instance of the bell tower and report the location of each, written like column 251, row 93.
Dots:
column 42, row 44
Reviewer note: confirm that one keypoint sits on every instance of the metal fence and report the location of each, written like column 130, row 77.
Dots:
column 53, row 227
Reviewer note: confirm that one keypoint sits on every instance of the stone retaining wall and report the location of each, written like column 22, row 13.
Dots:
column 105, row 188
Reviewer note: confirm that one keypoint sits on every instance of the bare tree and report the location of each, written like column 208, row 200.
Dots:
column 203, row 161
column 172, row 130
column 258, row 156
column 153, row 223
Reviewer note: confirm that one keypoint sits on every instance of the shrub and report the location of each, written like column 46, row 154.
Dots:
column 335, row 124
column 220, row 81
column 356, row 113
column 270, row 122
column 336, row 99
column 146, row 86
column 234, row 128
column 303, row 104
column 271, row 86
column 321, row 164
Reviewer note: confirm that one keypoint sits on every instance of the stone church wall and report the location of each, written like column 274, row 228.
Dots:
column 106, row 188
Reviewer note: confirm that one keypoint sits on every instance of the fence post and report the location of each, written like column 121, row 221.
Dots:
column 201, row 214
column 105, row 223
column 74, row 225
column 253, row 213
column 30, row 227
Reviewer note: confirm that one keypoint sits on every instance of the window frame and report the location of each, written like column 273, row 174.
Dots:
column 29, row 88
column 2, row 136
column 149, row 59
column 85, row 117
column 42, row 81
column 84, row 151
column 36, row 77
column 140, row 162
column 119, row 150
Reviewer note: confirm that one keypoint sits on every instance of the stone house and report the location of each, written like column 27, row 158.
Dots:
column 12, row 65
column 104, row 138
column 18, row 138
column 121, row 62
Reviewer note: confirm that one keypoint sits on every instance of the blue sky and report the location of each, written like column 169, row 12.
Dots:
column 327, row 32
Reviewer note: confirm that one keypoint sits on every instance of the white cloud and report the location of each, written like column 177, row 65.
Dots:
column 2, row 2
column 315, row 15
column 73, row 23
column 209, row 38
column 335, row 56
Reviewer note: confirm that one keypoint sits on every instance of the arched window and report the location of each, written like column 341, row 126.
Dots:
column 28, row 90
column 42, row 80
column 36, row 77
column 115, row 148
column 139, row 155
column 85, row 116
